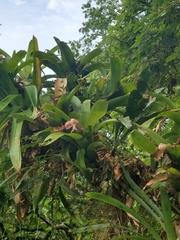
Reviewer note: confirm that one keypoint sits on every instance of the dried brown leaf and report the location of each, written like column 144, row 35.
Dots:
column 160, row 150
column 177, row 227
column 116, row 169
column 158, row 178
column 73, row 181
column 60, row 87
column 17, row 198
column 129, row 203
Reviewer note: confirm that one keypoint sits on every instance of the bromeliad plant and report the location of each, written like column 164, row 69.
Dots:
column 59, row 134
column 51, row 140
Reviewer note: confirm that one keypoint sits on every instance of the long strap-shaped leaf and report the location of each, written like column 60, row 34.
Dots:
column 143, row 204
column 166, row 208
column 118, row 204
column 140, row 193
column 15, row 148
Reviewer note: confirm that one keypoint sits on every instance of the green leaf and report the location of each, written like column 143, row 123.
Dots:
column 163, row 99
column 71, row 94
column 106, row 122
column 26, row 115
column 142, row 83
column 71, row 81
column 126, row 122
column 67, row 190
column 142, row 142
column 93, row 67
column 5, row 118
column 50, row 60
column 118, row 204
column 108, row 225
column 67, row 55
column 32, row 94
column 80, row 161
column 97, row 111
column 174, row 153
column 156, row 137
column 40, row 189
column 174, row 172
column 85, row 109
column 91, row 88
column 57, row 68
column 4, row 53
column 6, row 85
column 64, row 201
column 142, row 195
column 100, row 84
column 4, row 103
column 92, row 150
column 136, row 103
column 77, row 138
column 76, row 104
column 118, row 102
column 87, row 59
column 116, row 72
column 57, row 113
column 142, row 202
column 26, row 66
column 166, row 209
column 15, row 148
column 129, row 87
column 174, row 115
column 46, row 56
column 130, row 237
column 24, row 69
column 14, row 61
column 9, row 178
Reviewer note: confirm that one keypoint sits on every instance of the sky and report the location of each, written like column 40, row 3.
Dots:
column 21, row 19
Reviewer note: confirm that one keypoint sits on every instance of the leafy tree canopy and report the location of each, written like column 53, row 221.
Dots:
column 143, row 33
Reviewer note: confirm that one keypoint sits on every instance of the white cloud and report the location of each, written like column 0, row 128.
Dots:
column 19, row 2
column 53, row 5
column 65, row 5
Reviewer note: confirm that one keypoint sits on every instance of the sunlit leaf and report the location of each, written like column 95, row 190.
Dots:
column 14, row 61
column 97, row 111
column 85, row 109
column 32, row 94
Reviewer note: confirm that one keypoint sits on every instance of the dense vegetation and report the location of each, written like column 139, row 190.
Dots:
column 92, row 150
